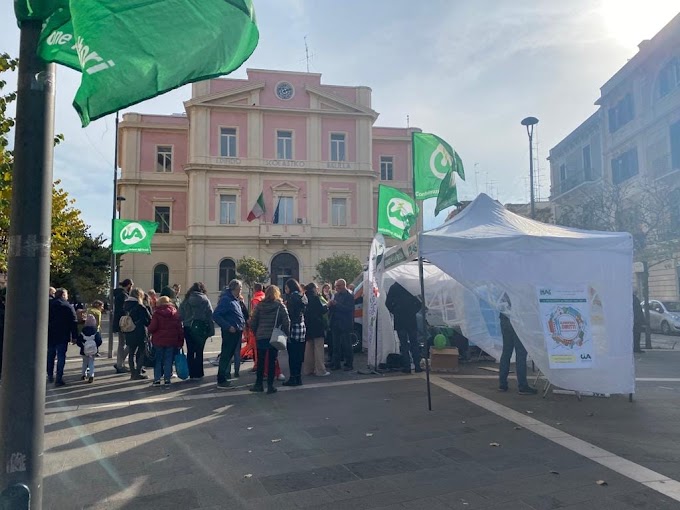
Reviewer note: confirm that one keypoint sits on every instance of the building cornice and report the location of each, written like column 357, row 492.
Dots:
column 341, row 101
column 207, row 99
column 126, row 124
column 196, row 167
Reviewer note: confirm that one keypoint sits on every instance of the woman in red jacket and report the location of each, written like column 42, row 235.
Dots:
column 167, row 336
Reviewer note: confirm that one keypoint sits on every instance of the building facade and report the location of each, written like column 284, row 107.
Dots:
column 632, row 142
column 312, row 150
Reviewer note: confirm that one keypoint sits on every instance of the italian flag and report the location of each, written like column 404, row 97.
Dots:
column 258, row 208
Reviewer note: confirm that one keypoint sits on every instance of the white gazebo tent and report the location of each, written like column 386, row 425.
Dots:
column 493, row 252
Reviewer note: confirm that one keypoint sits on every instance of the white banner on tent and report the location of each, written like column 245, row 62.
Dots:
column 372, row 290
column 565, row 316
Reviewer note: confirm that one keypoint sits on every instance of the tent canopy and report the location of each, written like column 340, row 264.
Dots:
column 493, row 252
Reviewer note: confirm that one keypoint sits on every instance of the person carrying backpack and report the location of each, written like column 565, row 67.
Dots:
column 89, row 341
column 197, row 318
column 134, row 325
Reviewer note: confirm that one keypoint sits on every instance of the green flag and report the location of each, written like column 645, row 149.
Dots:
column 433, row 158
column 397, row 212
column 132, row 50
column 448, row 193
column 133, row 236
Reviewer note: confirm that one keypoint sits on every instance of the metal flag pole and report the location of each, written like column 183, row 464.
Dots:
column 22, row 394
column 114, row 272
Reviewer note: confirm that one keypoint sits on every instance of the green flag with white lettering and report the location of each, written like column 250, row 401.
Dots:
column 448, row 192
column 433, row 158
column 397, row 212
column 133, row 236
column 132, row 50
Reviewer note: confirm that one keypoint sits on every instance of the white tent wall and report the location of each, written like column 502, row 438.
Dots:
column 488, row 249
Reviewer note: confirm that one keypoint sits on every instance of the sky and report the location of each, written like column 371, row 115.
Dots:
column 468, row 71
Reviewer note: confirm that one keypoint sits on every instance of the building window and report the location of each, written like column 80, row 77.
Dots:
column 337, row 147
column 675, row 146
column 283, row 214
column 669, row 77
column 162, row 217
column 228, row 209
column 563, row 173
column 284, row 145
column 625, row 166
column 339, row 212
column 386, row 168
column 161, row 277
column 587, row 164
column 622, row 113
column 228, row 142
column 164, row 158
column 227, row 273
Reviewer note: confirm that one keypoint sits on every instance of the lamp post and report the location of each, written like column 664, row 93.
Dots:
column 530, row 122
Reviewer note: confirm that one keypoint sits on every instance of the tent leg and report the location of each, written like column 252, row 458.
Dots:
column 427, row 343
column 630, row 397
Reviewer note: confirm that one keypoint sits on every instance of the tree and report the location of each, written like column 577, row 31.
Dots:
column 251, row 271
column 342, row 265
column 68, row 229
column 87, row 275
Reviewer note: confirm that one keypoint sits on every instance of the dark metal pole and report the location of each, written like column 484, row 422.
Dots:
column 530, row 132
column 114, row 270
column 22, row 394
column 424, row 330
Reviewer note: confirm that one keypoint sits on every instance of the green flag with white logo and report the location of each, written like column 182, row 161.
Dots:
column 448, row 192
column 132, row 50
column 397, row 212
column 133, row 236
column 433, row 159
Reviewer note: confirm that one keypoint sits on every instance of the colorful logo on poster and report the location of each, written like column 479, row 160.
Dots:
column 567, row 326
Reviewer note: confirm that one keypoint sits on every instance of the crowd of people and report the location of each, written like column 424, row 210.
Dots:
column 153, row 327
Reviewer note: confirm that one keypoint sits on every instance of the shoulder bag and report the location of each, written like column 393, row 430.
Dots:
column 278, row 340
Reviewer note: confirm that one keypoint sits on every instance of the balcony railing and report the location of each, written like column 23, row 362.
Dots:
column 572, row 181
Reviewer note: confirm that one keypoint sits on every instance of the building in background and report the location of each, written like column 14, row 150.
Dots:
column 310, row 149
column 635, row 137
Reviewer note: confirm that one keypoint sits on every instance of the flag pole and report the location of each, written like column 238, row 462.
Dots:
column 22, row 394
column 114, row 269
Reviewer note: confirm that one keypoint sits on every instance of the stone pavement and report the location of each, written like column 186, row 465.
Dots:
column 348, row 441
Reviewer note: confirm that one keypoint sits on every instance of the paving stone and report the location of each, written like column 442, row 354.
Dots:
column 382, row 467
column 301, row 480
column 323, row 431
column 464, row 500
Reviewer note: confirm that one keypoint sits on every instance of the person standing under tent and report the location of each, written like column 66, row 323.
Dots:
column 404, row 307
column 342, row 323
column 512, row 342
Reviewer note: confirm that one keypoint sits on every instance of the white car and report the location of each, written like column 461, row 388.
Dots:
column 664, row 316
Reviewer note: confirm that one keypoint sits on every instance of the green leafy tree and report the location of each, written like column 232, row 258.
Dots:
column 68, row 229
column 251, row 271
column 340, row 265
column 87, row 276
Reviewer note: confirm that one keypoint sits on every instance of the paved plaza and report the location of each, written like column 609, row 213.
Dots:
column 360, row 441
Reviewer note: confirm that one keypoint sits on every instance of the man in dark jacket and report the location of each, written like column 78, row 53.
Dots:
column 229, row 317
column 404, row 306
column 119, row 296
column 638, row 324
column 62, row 327
column 342, row 322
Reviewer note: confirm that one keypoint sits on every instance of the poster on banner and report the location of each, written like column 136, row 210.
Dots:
column 565, row 316
column 374, row 276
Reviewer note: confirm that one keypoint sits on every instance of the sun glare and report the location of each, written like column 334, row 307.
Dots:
column 631, row 21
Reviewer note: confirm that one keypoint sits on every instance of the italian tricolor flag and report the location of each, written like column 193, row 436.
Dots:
column 258, row 208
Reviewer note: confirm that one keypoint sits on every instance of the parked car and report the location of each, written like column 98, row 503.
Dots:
column 664, row 316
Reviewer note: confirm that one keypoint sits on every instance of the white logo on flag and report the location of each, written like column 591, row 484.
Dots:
column 446, row 161
column 397, row 211
column 132, row 233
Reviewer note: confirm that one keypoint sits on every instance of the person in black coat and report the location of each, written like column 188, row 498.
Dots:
column 119, row 296
column 315, row 323
column 404, row 307
column 136, row 338
column 62, row 327
column 296, row 304
column 638, row 324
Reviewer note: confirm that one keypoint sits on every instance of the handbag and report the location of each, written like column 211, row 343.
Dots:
column 181, row 365
column 278, row 340
column 149, row 354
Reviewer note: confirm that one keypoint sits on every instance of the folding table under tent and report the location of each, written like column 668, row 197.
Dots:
column 570, row 291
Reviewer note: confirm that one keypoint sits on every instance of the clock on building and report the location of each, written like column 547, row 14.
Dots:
column 284, row 90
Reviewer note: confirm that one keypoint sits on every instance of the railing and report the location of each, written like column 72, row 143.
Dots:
column 574, row 180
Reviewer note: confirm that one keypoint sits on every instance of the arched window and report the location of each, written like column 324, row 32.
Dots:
column 227, row 273
column 284, row 266
column 161, row 277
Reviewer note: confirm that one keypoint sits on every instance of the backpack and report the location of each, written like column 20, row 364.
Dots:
column 126, row 324
column 200, row 330
column 394, row 361
column 89, row 346
column 81, row 315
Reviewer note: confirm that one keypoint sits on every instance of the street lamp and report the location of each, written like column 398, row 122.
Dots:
column 530, row 122
column 119, row 203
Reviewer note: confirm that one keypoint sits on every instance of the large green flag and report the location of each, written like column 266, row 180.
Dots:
column 448, row 192
column 133, row 236
column 132, row 50
column 397, row 212
column 433, row 158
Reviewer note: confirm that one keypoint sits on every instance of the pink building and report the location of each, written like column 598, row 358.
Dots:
column 311, row 149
